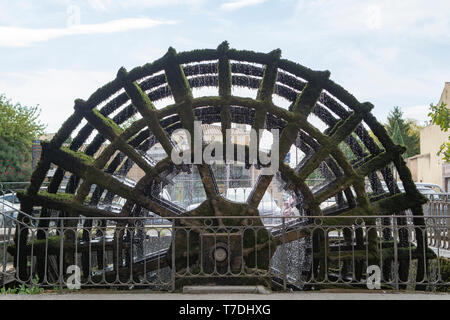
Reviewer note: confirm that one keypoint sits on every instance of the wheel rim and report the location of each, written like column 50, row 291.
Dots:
column 174, row 75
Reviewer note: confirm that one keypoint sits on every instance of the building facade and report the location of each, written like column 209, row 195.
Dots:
column 428, row 166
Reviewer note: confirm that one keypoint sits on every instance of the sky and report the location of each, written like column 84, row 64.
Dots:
column 391, row 53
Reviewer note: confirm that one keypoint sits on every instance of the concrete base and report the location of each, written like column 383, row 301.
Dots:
column 225, row 289
column 96, row 294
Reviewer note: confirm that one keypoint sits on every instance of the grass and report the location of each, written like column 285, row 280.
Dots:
column 23, row 289
column 445, row 274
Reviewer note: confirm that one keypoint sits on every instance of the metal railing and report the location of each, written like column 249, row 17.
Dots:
column 303, row 252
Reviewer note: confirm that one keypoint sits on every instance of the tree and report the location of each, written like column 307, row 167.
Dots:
column 440, row 116
column 405, row 132
column 14, row 166
column 19, row 125
column 397, row 135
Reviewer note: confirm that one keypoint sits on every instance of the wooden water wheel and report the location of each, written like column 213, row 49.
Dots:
column 354, row 150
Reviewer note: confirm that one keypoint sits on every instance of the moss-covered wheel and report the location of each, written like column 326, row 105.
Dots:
column 341, row 148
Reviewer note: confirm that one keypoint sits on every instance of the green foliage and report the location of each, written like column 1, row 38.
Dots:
column 440, row 116
column 19, row 125
column 404, row 132
column 15, row 165
column 397, row 137
column 23, row 289
column 444, row 264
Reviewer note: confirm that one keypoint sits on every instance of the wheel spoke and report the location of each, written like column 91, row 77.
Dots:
column 182, row 94
column 146, row 109
column 82, row 167
column 113, row 133
column 303, row 106
column 224, row 76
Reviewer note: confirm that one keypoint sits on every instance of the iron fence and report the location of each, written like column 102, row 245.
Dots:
column 304, row 253
column 285, row 253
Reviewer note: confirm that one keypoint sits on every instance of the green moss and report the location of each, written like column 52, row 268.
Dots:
column 103, row 93
column 224, row 71
column 39, row 174
column 208, row 101
column 197, row 55
column 82, row 157
column 50, row 245
column 179, row 85
column 108, row 122
column 66, row 129
column 372, row 164
column 248, row 103
column 338, row 221
column 395, row 203
column 346, row 128
column 187, row 119
column 296, row 69
column 444, row 266
column 250, row 56
column 307, row 99
column 334, row 187
column 59, row 197
column 147, row 69
column 269, row 77
column 146, row 109
column 287, row 138
column 223, row 48
column 408, row 253
column 343, row 95
column 259, row 121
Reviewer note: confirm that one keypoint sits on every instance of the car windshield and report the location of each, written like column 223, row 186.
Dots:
column 426, row 191
column 238, row 194
column 267, row 197
column 11, row 198
column 241, row 195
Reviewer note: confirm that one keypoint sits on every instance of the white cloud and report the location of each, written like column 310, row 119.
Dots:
column 100, row 5
column 103, row 5
column 22, row 37
column 374, row 20
column 415, row 18
column 418, row 113
column 238, row 4
column 54, row 90
column 156, row 3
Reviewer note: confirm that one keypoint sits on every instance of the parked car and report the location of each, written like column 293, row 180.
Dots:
column 421, row 185
column 118, row 202
column 424, row 188
column 427, row 189
column 9, row 208
column 267, row 207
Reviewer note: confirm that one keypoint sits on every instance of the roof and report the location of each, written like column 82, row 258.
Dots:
column 445, row 96
column 47, row 136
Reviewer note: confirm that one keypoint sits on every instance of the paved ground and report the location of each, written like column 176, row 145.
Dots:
column 323, row 295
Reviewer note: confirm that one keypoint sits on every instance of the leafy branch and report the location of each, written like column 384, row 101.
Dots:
column 440, row 116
